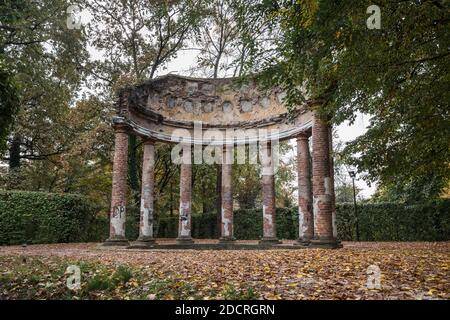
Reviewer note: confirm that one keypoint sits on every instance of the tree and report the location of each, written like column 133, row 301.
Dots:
column 223, row 52
column 137, row 38
column 45, row 57
column 398, row 74
column 9, row 103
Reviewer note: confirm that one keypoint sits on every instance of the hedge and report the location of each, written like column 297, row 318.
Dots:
column 395, row 222
column 377, row 222
column 38, row 217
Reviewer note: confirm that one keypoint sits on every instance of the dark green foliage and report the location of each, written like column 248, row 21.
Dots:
column 37, row 217
column 377, row 222
column 99, row 282
column 399, row 75
column 396, row 222
column 9, row 101
column 132, row 223
column 122, row 275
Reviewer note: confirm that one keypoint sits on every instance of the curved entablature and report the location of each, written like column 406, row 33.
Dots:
column 209, row 111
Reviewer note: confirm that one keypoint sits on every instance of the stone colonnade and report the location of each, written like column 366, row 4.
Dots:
column 315, row 194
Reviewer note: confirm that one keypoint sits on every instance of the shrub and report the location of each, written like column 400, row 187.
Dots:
column 38, row 217
column 377, row 222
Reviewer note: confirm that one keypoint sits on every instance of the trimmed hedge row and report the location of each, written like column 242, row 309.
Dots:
column 377, row 222
column 38, row 217
column 395, row 222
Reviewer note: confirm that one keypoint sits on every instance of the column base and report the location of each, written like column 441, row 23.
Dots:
column 326, row 243
column 269, row 241
column 226, row 240
column 304, row 242
column 144, row 242
column 116, row 242
column 184, row 240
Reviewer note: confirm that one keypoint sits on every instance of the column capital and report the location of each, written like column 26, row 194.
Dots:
column 120, row 124
column 302, row 136
column 148, row 140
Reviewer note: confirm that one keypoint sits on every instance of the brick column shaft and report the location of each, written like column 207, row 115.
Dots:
column 227, row 195
column 147, row 194
column 184, row 225
column 322, row 189
column 119, row 189
column 268, row 193
column 305, row 214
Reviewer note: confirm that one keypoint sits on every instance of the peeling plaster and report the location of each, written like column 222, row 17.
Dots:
column 301, row 229
column 118, row 220
column 269, row 222
column 316, row 209
column 184, row 219
column 226, row 225
column 147, row 220
column 333, row 221
column 327, row 185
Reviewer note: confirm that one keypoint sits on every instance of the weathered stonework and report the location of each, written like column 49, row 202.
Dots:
column 119, row 189
column 322, row 186
column 159, row 108
column 305, row 213
column 147, row 195
column 215, row 115
column 227, row 195
column 268, row 194
column 184, row 226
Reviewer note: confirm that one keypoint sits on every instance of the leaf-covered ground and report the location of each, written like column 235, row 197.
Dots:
column 408, row 271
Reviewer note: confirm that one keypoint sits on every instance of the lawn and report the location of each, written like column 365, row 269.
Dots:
column 408, row 271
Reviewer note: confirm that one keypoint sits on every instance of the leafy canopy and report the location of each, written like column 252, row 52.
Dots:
column 398, row 74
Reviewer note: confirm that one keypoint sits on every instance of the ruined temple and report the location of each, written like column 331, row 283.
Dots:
column 223, row 114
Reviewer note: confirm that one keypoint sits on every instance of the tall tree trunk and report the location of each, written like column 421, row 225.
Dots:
column 14, row 153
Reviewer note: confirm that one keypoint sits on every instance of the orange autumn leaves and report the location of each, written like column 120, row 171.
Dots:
column 407, row 271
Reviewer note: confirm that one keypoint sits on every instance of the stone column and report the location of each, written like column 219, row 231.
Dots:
column 305, row 214
column 184, row 225
column 227, row 195
column 322, row 188
column 268, row 194
column 119, row 190
column 147, row 195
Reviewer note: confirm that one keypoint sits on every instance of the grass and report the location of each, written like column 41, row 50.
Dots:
column 46, row 278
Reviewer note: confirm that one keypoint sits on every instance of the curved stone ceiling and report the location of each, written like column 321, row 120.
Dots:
column 173, row 108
